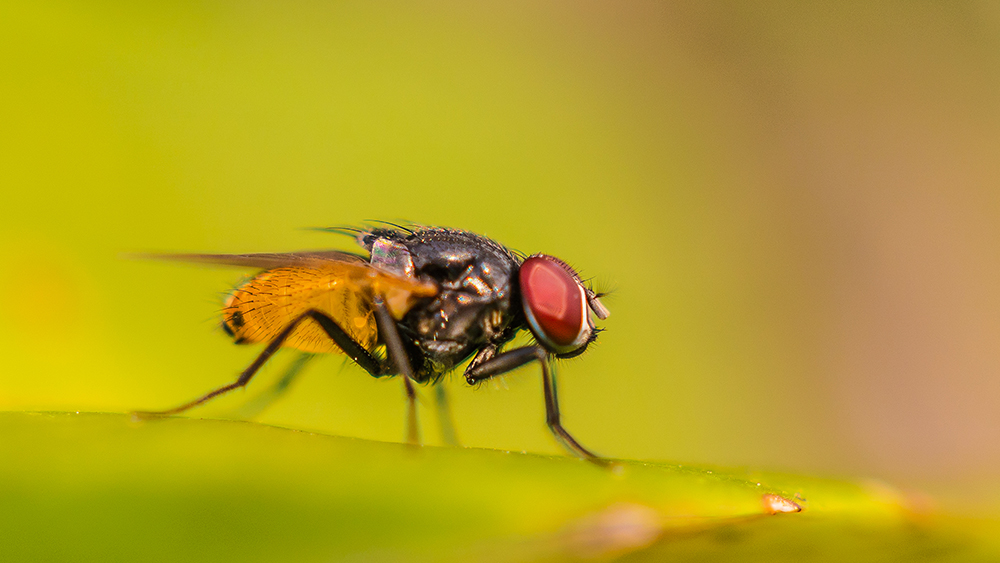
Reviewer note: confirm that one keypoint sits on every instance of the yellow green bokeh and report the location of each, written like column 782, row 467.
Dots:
column 795, row 207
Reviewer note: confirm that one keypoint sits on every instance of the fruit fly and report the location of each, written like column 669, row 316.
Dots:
column 430, row 297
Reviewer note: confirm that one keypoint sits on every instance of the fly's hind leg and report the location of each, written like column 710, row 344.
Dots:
column 352, row 348
column 263, row 401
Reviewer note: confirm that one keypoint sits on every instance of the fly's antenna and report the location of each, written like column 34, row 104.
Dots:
column 594, row 299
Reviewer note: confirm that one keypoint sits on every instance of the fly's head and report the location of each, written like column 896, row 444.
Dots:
column 558, row 306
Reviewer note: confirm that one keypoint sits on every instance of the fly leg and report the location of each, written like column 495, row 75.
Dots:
column 352, row 348
column 448, row 435
column 401, row 362
column 513, row 359
column 260, row 403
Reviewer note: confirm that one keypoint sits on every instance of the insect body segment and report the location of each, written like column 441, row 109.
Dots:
column 555, row 304
column 260, row 309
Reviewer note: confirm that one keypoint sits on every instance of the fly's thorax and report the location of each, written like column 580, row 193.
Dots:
column 452, row 327
column 456, row 316
column 473, row 277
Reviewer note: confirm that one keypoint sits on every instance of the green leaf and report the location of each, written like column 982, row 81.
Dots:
column 102, row 487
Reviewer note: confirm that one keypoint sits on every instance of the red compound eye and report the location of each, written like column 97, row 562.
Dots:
column 555, row 304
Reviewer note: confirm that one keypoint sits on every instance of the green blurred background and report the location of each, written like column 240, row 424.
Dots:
column 795, row 207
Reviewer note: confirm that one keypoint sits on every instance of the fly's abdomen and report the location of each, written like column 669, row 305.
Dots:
column 261, row 308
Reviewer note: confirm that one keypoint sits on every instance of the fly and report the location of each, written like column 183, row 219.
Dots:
column 431, row 297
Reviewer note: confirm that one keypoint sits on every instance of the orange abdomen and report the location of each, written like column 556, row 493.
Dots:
column 260, row 309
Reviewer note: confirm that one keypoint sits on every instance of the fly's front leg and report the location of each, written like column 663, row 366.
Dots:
column 400, row 360
column 516, row 358
column 352, row 348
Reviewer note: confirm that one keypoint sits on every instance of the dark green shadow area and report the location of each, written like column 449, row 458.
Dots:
column 101, row 487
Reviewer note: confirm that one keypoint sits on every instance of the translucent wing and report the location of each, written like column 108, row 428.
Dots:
column 265, row 260
column 339, row 284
